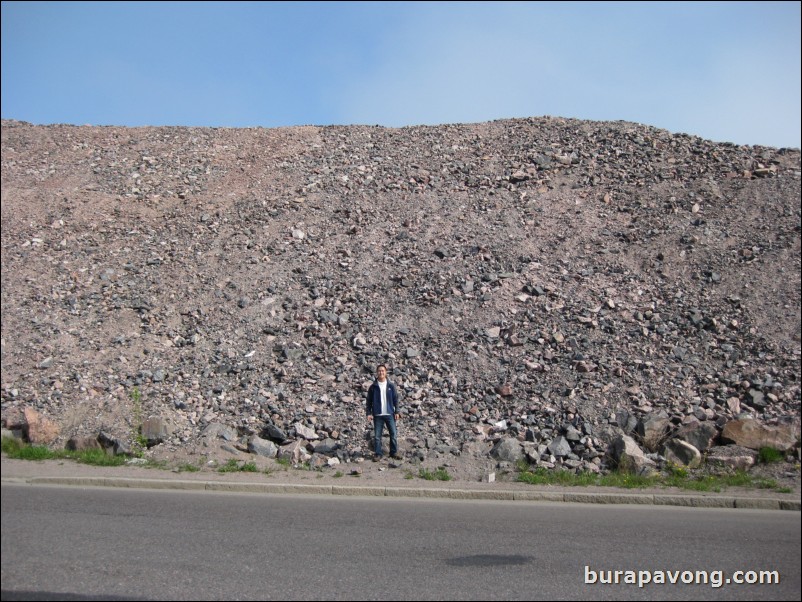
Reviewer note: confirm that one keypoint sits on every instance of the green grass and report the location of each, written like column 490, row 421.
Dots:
column 673, row 477
column 187, row 467
column 769, row 455
column 441, row 474
column 233, row 465
column 140, row 443
column 96, row 457
column 16, row 449
column 19, row 450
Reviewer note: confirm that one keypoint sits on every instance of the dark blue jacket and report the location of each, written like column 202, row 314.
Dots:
column 373, row 402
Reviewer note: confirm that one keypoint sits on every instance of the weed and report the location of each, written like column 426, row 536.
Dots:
column 187, row 467
column 522, row 465
column 441, row 474
column 624, row 480
column 675, row 470
column 95, row 457
column 338, row 474
column 230, row 466
column 10, row 445
column 675, row 476
column 19, row 450
column 140, row 443
column 769, row 455
column 739, row 478
column 151, row 463
column 541, row 476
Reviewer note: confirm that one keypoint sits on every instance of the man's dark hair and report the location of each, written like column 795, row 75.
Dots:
column 381, row 366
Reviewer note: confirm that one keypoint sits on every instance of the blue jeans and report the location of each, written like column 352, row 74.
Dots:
column 378, row 428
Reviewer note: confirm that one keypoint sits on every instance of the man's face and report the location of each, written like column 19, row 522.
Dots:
column 381, row 373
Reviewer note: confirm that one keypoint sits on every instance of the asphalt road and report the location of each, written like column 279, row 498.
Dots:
column 106, row 544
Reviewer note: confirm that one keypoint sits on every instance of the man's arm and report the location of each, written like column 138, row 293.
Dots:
column 396, row 412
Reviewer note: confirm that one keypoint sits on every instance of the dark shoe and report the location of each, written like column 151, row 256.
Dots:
column 377, row 457
column 396, row 457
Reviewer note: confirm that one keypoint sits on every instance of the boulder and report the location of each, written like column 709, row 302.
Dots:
column 272, row 432
column 653, row 430
column 155, row 430
column 217, row 430
column 39, row 429
column 731, row 457
column 683, row 453
column 262, row 447
column 629, row 457
column 306, row 432
column 702, row 435
column 560, row 447
column 507, row 450
column 754, row 435
column 295, row 452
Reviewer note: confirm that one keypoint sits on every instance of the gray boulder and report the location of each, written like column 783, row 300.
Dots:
column 507, row 450
column 559, row 448
column 217, row 430
column 653, row 430
column 629, row 457
column 272, row 432
column 682, row 453
column 702, row 435
column 295, row 452
column 262, row 447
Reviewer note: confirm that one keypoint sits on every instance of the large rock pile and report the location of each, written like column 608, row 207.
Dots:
column 575, row 293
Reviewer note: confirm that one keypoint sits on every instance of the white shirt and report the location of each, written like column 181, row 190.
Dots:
column 383, row 389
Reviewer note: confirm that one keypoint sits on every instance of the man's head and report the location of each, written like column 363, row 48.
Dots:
column 381, row 372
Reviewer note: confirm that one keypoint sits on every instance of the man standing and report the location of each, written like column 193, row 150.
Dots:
column 382, row 408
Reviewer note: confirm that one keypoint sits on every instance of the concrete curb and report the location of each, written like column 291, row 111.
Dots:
column 575, row 497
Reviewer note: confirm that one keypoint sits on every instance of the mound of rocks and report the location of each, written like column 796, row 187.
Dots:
column 573, row 294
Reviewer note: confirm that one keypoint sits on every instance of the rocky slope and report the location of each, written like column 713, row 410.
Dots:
column 545, row 283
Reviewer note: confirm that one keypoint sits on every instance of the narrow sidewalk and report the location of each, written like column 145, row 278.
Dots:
column 68, row 473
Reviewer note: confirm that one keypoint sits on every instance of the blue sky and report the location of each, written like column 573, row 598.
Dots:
column 726, row 71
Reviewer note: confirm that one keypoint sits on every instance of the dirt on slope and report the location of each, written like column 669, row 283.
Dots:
column 524, row 279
